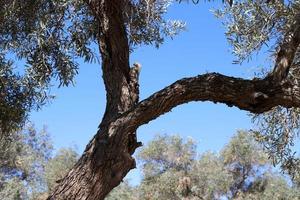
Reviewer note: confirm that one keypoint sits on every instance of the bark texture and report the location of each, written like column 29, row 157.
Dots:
column 108, row 157
column 287, row 51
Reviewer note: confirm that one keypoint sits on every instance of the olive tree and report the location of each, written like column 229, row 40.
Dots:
column 49, row 34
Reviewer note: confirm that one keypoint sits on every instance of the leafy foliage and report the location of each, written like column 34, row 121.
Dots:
column 27, row 169
column 22, row 159
column 146, row 23
column 278, row 131
column 244, row 158
column 166, row 152
column 211, row 179
column 166, row 159
column 29, row 29
column 18, row 95
column 252, row 26
column 124, row 191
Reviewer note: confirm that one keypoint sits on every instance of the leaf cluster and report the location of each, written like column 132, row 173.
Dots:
column 252, row 25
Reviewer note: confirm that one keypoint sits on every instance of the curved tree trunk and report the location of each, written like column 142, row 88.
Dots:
column 108, row 157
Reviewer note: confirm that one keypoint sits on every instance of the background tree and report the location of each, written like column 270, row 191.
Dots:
column 49, row 34
column 124, row 191
column 23, row 157
column 169, row 164
column 27, row 168
column 166, row 160
column 210, row 178
column 240, row 171
column 245, row 159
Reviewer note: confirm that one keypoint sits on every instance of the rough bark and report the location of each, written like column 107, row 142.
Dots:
column 108, row 157
column 256, row 96
column 287, row 51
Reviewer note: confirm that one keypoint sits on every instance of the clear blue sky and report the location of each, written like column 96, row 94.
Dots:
column 73, row 117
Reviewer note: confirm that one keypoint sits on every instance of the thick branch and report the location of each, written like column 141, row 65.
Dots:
column 256, row 96
column 287, row 52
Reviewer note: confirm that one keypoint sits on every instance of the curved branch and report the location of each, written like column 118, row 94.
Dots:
column 256, row 96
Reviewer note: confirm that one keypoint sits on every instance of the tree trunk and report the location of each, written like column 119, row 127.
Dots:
column 108, row 157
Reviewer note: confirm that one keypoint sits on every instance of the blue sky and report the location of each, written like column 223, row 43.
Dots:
column 73, row 117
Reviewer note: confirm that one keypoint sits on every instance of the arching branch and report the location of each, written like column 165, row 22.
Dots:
column 256, row 96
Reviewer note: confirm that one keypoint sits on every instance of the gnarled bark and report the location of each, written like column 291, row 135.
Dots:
column 108, row 157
